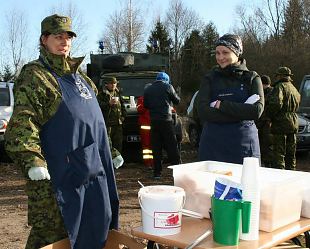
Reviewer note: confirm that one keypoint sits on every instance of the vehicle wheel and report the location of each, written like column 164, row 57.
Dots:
column 193, row 136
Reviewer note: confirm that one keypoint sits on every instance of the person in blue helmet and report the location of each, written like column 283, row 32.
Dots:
column 230, row 99
column 159, row 98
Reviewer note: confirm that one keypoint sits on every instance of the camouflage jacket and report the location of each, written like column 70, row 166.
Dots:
column 115, row 114
column 37, row 97
column 283, row 103
column 264, row 120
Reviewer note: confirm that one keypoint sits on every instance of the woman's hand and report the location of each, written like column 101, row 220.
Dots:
column 215, row 104
column 252, row 99
column 38, row 174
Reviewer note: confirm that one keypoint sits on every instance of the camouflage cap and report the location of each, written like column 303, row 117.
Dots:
column 108, row 80
column 56, row 24
column 284, row 71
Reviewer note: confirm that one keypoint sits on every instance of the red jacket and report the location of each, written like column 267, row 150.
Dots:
column 144, row 114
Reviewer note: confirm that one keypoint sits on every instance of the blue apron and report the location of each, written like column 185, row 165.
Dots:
column 75, row 145
column 229, row 142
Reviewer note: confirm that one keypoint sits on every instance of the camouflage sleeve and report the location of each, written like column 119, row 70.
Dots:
column 22, row 141
column 104, row 102
column 275, row 102
column 123, row 108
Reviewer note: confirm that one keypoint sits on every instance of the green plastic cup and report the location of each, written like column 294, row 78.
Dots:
column 226, row 216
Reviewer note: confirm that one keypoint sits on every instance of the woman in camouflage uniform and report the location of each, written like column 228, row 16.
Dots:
column 58, row 137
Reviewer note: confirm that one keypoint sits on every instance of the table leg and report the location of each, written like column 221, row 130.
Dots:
column 150, row 244
column 307, row 239
column 296, row 241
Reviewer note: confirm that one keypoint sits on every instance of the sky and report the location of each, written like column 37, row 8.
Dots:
column 96, row 12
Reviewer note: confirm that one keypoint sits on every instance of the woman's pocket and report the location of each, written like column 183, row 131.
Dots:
column 84, row 164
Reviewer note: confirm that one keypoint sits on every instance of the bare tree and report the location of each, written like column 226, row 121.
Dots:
column 124, row 30
column 252, row 26
column 113, row 38
column 180, row 22
column 271, row 15
column 16, row 38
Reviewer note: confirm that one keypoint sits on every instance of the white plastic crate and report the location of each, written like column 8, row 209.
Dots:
column 284, row 193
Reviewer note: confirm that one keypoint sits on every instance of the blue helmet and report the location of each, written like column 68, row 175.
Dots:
column 163, row 77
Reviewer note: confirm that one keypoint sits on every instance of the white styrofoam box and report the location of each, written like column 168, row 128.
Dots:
column 283, row 192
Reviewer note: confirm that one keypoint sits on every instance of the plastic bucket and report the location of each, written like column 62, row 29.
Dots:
column 161, row 207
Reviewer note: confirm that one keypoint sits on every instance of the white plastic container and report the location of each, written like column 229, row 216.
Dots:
column 278, row 198
column 198, row 179
column 161, row 207
column 280, row 204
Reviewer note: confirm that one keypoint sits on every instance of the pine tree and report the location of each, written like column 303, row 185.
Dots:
column 7, row 74
column 193, row 55
column 294, row 23
column 159, row 41
column 210, row 36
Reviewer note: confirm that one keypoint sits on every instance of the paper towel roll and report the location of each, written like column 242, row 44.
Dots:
column 132, row 101
column 251, row 192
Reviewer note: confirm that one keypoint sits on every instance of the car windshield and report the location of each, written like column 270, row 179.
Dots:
column 4, row 96
column 134, row 86
column 305, row 94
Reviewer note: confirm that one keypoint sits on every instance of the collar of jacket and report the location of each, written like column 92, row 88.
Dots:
column 233, row 69
column 284, row 79
column 112, row 93
column 59, row 63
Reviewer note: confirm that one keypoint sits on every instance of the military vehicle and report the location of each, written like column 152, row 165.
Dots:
column 133, row 71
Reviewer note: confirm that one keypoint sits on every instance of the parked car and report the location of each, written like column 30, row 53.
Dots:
column 194, row 129
column 6, row 107
column 303, row 135
column 304, row 90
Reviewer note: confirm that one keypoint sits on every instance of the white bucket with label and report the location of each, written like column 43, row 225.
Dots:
column 161, row 207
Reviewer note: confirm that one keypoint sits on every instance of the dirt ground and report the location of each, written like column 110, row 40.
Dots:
column 13, row 201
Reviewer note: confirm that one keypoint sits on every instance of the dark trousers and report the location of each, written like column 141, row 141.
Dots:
column 163, row 137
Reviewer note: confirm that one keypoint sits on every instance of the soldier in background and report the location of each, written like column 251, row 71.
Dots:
column 263, row 125
column 283, row 103
column 114, row 112
column 58, row 137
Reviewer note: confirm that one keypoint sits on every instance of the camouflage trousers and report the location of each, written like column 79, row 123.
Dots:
column 284, row 150
column 266, row 146
column 43, row 215
column 115, row 133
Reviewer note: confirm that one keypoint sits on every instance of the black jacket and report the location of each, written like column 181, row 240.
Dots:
column 159, row 98
column 231, row 76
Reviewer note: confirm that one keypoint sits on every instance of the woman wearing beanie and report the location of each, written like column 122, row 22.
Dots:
column 230, row 99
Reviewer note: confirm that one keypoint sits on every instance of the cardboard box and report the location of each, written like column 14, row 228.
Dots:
column 283, row 192
column 116, row 240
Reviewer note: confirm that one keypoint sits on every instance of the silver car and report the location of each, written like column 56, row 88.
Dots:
column 6, row 107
